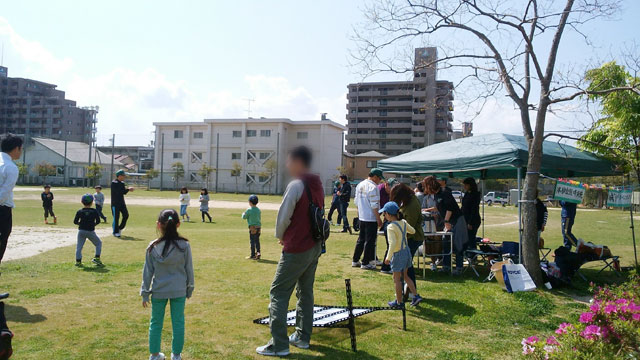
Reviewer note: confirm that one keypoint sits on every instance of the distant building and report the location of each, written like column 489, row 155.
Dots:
column 248, row 154
column 395, row 117
column 359, row 166
column 69, row 172
column 137, row 158
column 37, row 109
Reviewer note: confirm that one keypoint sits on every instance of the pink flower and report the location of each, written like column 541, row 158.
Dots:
column 591, row 332
column 528, row 349
column 595, row 307
column 530, row 340
column 551, row 340
column 622, row 301
column 609, row 309
column 586, row 317
column 636, row 316
column 563, row 328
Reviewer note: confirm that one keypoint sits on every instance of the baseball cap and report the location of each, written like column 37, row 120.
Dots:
column 376, row 172
column 392, row 182
column 87, row 199
column 390, row 208
column 120, row 172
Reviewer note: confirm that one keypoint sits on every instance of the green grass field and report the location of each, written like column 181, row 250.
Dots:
column 58, row 311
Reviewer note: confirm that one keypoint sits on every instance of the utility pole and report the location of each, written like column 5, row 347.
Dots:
column 113, row 146
column 64, row 166
column 161, row 162
column 249, row 107
column 217, row 158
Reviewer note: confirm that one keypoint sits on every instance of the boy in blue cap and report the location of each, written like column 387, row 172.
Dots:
column 252, row 215
column 87, row 218
column 399, row 256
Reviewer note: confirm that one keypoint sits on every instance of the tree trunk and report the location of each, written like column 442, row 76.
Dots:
column 530, row 251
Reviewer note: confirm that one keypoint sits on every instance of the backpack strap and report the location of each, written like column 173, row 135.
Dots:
column 308, row 191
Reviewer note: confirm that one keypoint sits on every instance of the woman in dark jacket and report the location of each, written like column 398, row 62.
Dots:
column 471, row 209
column 411, row 211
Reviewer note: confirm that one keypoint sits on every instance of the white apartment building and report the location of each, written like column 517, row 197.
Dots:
column 247, row 155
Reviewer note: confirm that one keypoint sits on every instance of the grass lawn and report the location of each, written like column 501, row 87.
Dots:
column 58, row 311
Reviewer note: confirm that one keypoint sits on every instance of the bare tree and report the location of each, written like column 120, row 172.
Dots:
column 501, row 47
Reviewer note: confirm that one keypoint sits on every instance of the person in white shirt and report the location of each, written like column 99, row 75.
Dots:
column 11, row 150
column 184, row 199
column 367, row 201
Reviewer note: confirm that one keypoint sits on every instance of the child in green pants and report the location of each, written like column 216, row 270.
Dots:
column 168, row 278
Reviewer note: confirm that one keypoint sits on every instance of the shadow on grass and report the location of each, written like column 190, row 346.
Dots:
column 129, row 238
column 265, row 261
column 20, row 314
column 443, row 310
column 333, row 353
column 95, row 269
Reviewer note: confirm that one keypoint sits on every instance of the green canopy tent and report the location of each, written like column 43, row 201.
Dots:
column 497, row 156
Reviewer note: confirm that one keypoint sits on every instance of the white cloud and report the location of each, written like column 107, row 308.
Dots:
column 33, row 52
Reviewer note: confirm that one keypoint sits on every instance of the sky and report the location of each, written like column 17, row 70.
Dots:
column 151, row 61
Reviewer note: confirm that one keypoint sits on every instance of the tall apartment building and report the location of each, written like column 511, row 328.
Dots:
column 249, row 155
column 37, row 109
column 395, row 117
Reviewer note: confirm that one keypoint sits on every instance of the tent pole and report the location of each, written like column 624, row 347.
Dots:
column 482, row 197
column 633, row 231
column 519, row 216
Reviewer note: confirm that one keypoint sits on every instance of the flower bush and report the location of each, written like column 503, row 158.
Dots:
column 610, row 329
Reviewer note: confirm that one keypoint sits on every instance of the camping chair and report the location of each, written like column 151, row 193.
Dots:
column 609, row 263
column 474, row 257
column 511, row 250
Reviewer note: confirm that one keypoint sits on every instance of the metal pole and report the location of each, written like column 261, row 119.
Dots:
column 633, row 231
column 277, row 161
column 162, row 162
column 519, row 216
column 64, row 165
column 482, row 197
column 113, row 146
column 217, row 158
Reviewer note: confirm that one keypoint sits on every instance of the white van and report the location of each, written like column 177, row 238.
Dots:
column 496, row 197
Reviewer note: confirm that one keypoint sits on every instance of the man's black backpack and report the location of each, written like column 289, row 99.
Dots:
column 320, row 227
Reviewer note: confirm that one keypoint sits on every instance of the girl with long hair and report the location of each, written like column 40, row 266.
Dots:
column 167, row 277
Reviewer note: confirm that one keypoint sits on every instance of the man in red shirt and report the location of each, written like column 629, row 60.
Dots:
column 299, row 260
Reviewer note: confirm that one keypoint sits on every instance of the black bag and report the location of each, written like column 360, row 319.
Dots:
column 5, row 336
column 320, row 227
column 356, row 224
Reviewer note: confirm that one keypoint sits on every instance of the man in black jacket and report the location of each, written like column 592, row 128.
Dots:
column 345, row 196
column 118, row 206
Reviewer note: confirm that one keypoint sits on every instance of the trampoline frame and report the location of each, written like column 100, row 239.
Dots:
column 350, row 316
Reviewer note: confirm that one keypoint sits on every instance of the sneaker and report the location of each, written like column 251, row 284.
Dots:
column 355, row 264
column 176, row 357
column 250, row 258
column 257, row 256
column 117, row 234
column 344, row 231
column 395, row 304
column 416, row 300
column 376, row 263
column 295, row 340
column 388, row 272
column 79, row 263
column 55, row 220
column 97, row 262
column 368, row 267
column 350, row 231
column 267, row 350
column 434, row 267
column 45, row 221
column 160, row 356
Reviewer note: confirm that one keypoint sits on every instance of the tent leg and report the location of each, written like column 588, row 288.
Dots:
column 519, row 215
column 482, row 197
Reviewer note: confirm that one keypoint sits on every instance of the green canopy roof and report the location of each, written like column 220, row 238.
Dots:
column 496, row 156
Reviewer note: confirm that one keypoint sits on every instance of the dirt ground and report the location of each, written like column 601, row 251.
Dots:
column 151, row 201
column 28, row 241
